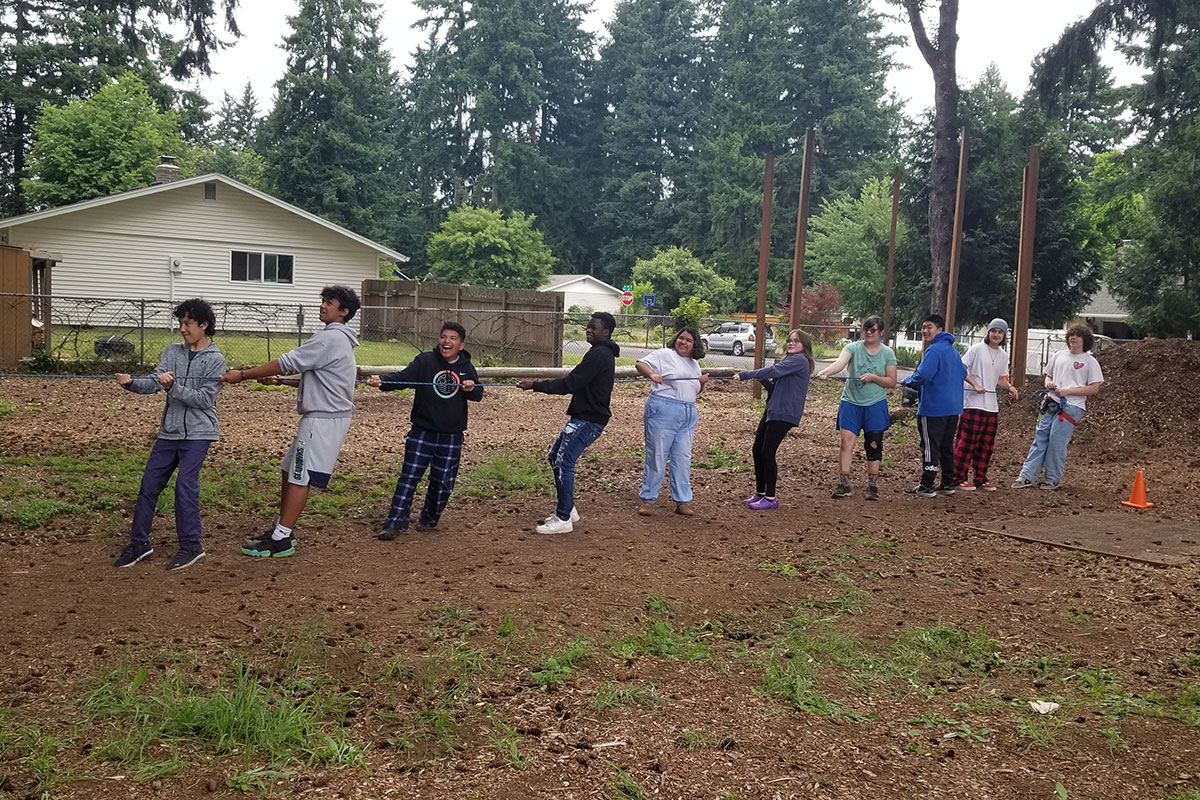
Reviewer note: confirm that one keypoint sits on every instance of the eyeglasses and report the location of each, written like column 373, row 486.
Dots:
column 870, row 330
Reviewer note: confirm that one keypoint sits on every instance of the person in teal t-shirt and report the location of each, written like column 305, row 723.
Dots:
column 872, row 367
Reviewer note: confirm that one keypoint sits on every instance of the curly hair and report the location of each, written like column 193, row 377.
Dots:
column 346, row 298
column 199, row 312
column 1083, row 332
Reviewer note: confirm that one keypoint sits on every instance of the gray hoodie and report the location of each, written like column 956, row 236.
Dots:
column 191, row 410
column 327, row 372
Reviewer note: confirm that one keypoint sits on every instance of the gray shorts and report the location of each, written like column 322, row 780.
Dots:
column 314, row 451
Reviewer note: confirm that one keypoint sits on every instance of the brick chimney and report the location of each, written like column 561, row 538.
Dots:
column 166, row 171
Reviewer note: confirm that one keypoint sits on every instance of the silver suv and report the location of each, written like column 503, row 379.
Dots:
column 736, row 338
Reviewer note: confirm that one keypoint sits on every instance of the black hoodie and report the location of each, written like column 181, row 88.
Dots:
column 430, row 411
column 590, row 383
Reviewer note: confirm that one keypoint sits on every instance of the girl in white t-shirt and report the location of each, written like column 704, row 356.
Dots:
column 987, row 375
column 670, row 418
column 1072, row 376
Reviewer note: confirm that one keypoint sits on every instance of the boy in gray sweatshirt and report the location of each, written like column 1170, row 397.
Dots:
column 188, row 372
column 324, row 369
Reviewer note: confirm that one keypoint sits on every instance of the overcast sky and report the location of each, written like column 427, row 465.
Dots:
column 1008, row 34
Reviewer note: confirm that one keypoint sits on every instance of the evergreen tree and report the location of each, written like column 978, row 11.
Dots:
column 650, row 134
column 237, row 120
column 61, row 50
column 331, row 134
column 106, row 143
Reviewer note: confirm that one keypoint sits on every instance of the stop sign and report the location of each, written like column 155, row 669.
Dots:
column 627, row 298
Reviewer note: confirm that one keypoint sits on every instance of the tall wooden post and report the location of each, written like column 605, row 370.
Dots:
column 1019, row 341
column 801, row 232
column 764, row 253
column 887, row 296
column 956, row 242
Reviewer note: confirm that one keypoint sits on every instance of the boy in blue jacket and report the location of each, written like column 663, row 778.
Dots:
column 939, row 381
column 189, row 426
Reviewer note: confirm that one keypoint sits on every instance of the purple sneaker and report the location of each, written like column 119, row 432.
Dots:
column 763, row 504
column 752, row 499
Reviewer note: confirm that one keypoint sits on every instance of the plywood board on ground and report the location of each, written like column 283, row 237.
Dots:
column 1152, row 540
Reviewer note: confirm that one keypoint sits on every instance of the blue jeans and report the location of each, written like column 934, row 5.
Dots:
column 165, row 456
column 669, row 428
column 1049, row 448
column 574, row 438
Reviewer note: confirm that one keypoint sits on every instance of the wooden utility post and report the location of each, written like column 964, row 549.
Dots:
column 764, row 252
column 1019, row 341
column 956, row 242
column 887, row 297
column 801, row 233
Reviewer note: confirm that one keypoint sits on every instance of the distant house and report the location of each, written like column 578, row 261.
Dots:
column 208, row 236
column 1104, row 315
column 585, row 291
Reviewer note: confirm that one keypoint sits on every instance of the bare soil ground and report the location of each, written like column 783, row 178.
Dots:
column 831, row 649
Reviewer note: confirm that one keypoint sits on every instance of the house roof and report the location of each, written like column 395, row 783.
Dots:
column 38, row 216
column 1104, row 305
column 558, row 283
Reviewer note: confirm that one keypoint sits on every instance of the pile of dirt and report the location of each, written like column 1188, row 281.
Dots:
column 1148, row 396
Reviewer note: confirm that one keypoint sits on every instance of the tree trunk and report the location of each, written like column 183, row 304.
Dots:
column 943, row 173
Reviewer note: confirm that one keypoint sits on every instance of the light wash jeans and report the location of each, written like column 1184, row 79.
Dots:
column 574, row 438
column 669, row 428
column 1049, row 448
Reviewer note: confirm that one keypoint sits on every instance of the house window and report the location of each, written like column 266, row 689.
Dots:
column 210, row 191
column 260, row 267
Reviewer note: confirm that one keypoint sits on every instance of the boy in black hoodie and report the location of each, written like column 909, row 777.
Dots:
column 439, row 417
column 590, row 386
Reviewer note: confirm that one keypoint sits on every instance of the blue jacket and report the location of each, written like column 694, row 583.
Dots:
column 939, row 378
column 787, row 388
column 191, row 410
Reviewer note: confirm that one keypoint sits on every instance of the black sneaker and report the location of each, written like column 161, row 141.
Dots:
column 422, row 525
column 387, row 534
column 134, row 553
column 271, row 548
column 946, row 489
column 872, row 492
column 184, row 559
column 841, row 490
column 921, row 491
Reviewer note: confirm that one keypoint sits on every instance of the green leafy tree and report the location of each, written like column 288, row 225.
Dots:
column 484, row 247
column 57, row 51
column 848, row 246
column 331, row 135
column 690, row 312
column 676, row 273
column 106, row 143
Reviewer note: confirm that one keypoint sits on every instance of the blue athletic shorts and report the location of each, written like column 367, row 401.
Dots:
column 863, row 418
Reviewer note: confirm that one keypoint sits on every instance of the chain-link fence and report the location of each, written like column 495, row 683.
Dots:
column 111, row 334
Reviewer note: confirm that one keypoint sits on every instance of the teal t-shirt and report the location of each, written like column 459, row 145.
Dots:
column 863, row 363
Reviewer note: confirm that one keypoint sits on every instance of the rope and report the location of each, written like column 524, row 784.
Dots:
column 108, row 377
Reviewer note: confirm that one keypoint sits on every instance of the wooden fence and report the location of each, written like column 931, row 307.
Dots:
column 514, row 326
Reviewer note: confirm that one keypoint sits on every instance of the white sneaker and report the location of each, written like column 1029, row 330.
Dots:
column 555, row 525
column 574, row 515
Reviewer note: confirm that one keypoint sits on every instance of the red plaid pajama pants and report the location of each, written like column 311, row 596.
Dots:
column 976, row 441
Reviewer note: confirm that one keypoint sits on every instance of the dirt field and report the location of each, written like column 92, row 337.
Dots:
column 831, row 649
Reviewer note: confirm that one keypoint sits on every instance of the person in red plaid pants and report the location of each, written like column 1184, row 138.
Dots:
column 987, row 371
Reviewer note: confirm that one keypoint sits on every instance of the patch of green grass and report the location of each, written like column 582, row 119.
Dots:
column 615, row 695
column 36, row 512
column 661, row 639
column 507, row 742
column 559, row 668
column 449, row 621
column 720, row 459
column 37, row 752
column 1189, row 659
column 849, row 600
column 656, row 605
column 939, row 650
column 259, row 780
column 624, row 786
column 1076, row 615
column 780, row 568
column 1042, row 730
column 508, row 473
column 1113, row 737
column 792, row 677
column 7, row 408
column 1185, row 795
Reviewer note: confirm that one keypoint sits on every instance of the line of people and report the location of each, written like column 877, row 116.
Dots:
column 324, row 370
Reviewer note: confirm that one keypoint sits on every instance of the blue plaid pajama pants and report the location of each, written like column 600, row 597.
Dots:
column 437, row 452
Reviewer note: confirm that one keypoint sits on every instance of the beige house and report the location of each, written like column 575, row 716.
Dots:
column 585, row 291
column 208, row 236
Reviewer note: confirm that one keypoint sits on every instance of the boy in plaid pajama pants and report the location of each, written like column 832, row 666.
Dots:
column 987, row 370
column 438, row 422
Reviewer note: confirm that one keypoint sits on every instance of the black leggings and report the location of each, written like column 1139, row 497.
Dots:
column 766, row 443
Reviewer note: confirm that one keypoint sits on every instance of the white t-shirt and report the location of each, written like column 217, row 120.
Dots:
column 986, row 366
column 1068, row 371
column 669, row 364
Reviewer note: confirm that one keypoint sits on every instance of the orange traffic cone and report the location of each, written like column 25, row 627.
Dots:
column 1137, row 498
